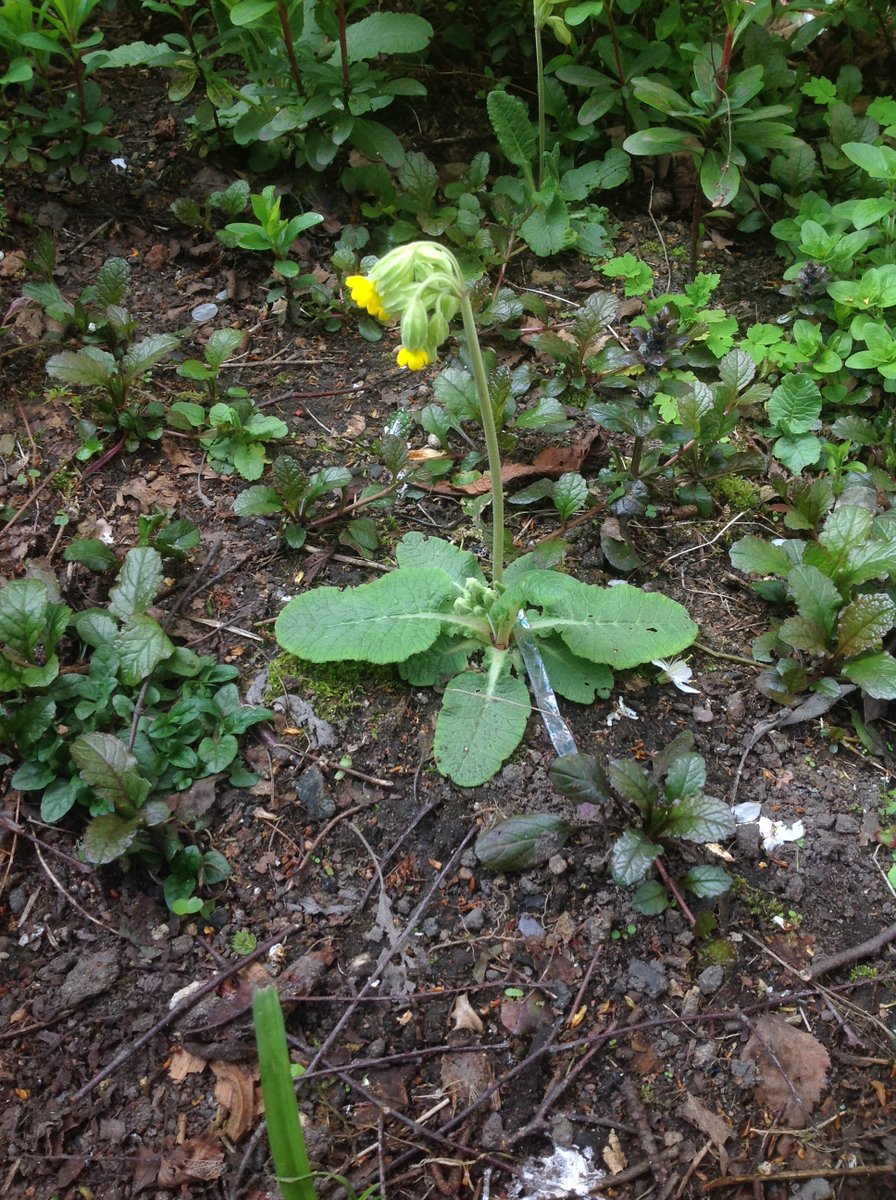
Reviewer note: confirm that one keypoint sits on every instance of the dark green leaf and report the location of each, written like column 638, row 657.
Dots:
column 632, row 857
column 582, row 778
column 706, row 882
column 91, row 553
column 651, row 898
column 108, row 837
column 699, row 819
column 522, row 842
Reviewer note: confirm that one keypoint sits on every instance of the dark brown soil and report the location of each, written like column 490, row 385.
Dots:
column 627, row 1034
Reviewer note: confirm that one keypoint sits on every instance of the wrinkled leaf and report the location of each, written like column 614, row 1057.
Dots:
column 522, row 842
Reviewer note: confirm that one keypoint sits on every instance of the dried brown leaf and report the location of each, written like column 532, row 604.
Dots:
column 792, row 1066
column 613, row 1154
column 464, row 1015
column 235, row 1092
column 704, row 1119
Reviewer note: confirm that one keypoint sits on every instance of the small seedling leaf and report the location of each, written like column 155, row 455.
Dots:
column 706, row 882
column 651, row 898
column 108, row 837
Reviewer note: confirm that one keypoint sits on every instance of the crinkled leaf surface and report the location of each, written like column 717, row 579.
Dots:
column 875, row 674
column 137, row 584
column 815, row 596
column 418, row 550
column 521, row 842
column 633, row 784
column 141, row 645
column 863, row 623
column 633, row 856
column 481, row 722
column 109, row 769
column 706, row 881
column 582, row 778
column 621, row 626
column 756, row 556
column 699, row 819
column 387, row 620
column 108, row 837
column 686, row 776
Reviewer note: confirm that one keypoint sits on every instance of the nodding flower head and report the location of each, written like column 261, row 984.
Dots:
column 422, row 284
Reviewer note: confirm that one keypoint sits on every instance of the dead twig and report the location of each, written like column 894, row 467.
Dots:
column 808, row 1173
column 852, row 954
column 645, row 1133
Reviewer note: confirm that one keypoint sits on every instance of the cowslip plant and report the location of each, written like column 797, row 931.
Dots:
column 669, row 802
column 839, row 582
column 438, row 609
column 130, row 734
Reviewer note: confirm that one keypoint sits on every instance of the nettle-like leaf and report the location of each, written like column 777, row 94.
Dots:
column 90, row 367
column 27, row 615
column 815, row 596
column 142, row 644
column 386, row 33
column 110, row 770
column 704, row 882
column 570, row 494
column 756, row 556
column 863, row 623
column 875, row 674
column 258, row 501
column 387, row 620
column 651, row 898
column 112, row 281
column 699, row 819
column 515, row 132
column 632, row 857
column 582, row 778
column 633, row 784
column 521, row 842
column 137, row 584
column 148, row 351
column 108, row 837
column 481, row 722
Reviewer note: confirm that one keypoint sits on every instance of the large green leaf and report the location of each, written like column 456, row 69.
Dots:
column 23, row 613
column 756, row 556
column 481, row 722
column 108, row 837
column 447, row 656
column 546, row 230
column 515, row 132
column 863, row 622
column 659, row 141
column 815, row 596
column 699, row 819
column 521, row 842
column 794, row 406
column 110, row 770
column 90, row 367
column 386, row 33
column 686, row 776
column 875, row 674
column 621, row 626
column 387, row 620
column 142, row 645
column 418, row 550
column 572, row 677
column 137, row 584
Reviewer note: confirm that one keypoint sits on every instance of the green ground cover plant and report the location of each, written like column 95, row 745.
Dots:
column 101, row 714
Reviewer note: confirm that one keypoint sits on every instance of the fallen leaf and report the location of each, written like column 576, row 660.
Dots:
column 613, row 1155
column 182, row 1063
column 235, row 1092
column 197, row 1159
column 717, row 1130
column 465, row 1016
column 551, row 463
column 466, row 1076
column 792, row 1066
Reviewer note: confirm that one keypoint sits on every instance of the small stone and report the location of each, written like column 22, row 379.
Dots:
column 474, row 920
column 649, row 978
column 815, row 1189
column 181, row 946
column 706, row 1053
column 312, row 789
column 846, row 824
column 711, row 979
column 430, row 927
column 735, row 707
column 748, row 840
column 90, row 976
column 562, row 1131
column 377, row 1048
column 529, row 927
column 17, row 899
column 557, row 864
column 703, row 715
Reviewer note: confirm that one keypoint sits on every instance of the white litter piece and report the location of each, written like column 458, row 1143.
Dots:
column 204, row 312
column 747, row 813
column 119, row 164
column 566, row 1174
column 678, row 673
column 621, row 710
column 776, row 833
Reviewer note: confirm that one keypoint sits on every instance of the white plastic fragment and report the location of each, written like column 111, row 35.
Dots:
column 204, row 312
column 621, row 710
column 776, row 833
column 747, row 813
column 119, row 164
column 566, row 1174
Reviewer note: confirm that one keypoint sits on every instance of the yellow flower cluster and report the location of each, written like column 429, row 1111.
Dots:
column 365, row 295
column 420, row 282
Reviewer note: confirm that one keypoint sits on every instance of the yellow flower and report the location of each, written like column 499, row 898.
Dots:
column 365, row 295
column 414, row 360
